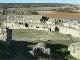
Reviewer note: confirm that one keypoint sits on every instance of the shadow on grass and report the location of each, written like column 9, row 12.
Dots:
column 20, row 48
column 58, row 51
column 17, row 48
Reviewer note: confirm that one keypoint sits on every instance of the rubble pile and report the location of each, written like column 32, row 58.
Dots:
column 40, row 48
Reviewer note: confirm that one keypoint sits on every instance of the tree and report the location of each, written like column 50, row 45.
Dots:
column 44, row 19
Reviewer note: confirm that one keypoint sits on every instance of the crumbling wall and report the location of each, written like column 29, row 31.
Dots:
column 71, row 31
column 23, row 18
column 9, row 36
column 33, row 22
column 3, row 34
column 72, row 25
column 74, row 49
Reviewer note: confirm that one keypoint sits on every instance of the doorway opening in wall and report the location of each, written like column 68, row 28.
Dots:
column 37, row 27
column 44, row 27
column 50, row 29
column 20, row 23
column 56, row 29
column 26, row 25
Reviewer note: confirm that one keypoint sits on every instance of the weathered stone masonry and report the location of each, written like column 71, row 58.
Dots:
column 33, row 22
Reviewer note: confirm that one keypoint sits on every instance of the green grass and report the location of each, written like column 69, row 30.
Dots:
column 69, row 57
column 38, row 35
column 22, row 48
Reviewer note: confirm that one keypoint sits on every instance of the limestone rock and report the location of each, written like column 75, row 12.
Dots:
column 40, row 47
column 75, row 50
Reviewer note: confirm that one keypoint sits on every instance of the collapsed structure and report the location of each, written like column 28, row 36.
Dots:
column 40, row 48
column 64, row 26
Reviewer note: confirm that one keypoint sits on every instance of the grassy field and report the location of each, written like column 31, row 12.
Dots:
column 37, row 35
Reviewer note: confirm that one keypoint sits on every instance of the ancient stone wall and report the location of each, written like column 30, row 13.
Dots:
column 71, row 31
column 72, row 25
column 33, row 22
column 23, row 18
column 74, row 49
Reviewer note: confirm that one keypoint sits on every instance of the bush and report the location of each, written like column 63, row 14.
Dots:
column 35, row 13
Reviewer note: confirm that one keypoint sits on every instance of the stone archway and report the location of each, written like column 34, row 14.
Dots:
column 26, row 25
column 56, row 29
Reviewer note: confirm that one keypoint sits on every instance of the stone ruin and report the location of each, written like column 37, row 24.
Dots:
column 40, row 47
column 37, row 22
column 9, row 36
column 74, row 49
